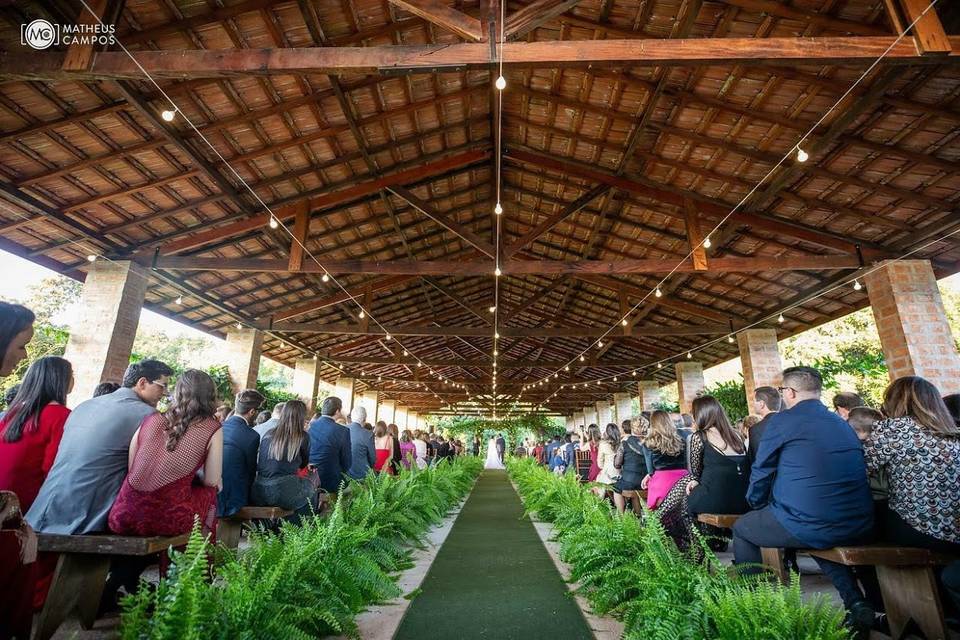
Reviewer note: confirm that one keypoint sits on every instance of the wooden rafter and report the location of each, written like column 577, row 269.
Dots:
column 444, row 16
column 484, row 331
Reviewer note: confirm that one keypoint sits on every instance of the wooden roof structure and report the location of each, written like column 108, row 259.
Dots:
column 372, row 130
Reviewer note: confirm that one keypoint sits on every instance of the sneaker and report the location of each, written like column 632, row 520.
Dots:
column 860, row 619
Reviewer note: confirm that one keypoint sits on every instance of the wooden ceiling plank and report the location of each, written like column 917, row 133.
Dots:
column 444, row 220
column 527, row 18
column 484, row 331
column 695, row 236
column 444, row 16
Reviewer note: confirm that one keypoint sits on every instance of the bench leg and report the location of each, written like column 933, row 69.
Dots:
column 911, row 592
column 773, row 559
column 77, row 583
column 228, row 532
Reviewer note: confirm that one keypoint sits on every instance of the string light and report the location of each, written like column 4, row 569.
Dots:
column 497, row 272
column 780, row 318
column 91, row 258
column 802, row 156
column 857, row 286
column 582, row 358
column 498, row 209
column 240, row 326
column 501, row 83
column 658, row 293
column 599, row 344
column 706, row 242
column 405, row 352
column 659, row 365
column 325, row 277
column 168, row 114
column 624, row 322
column 362, row 314
column 689, row 355
column 389, row 337
column 179, row 300
column 492, row 309
column 274, row 223
column 730, row 339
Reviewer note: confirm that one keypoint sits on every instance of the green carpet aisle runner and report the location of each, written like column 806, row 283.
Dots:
column 493, row 578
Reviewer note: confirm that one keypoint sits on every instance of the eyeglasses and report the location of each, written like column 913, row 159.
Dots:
column 782, row 389
column 162, row 385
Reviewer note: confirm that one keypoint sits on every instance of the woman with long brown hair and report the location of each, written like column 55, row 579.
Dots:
column 383, row 446
column 666, row 463
column 160, row 495
column 917, row 446
column 719, row 473
column 284, row 453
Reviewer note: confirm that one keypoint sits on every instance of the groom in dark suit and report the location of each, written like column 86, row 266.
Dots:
column 501, row 446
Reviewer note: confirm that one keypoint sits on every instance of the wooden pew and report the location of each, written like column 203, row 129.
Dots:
column 81, row 573
column 229, row 529
column 636, row 497
column 771, row 557
column 907, row 583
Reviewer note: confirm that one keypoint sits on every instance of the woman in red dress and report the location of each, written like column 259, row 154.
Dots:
column 383, row 445
column 162, row 493
column 31, row 429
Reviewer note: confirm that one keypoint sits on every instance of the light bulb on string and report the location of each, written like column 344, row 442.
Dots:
column 802, row 156
column 492, row 309
column 582, row 358
column 91, row 258
column 498, row 209
column 730, row 339
column 599, row 344
column 239, row 326
column 274, row 223
column 497, row 272
column 168, row 114
column 857, row 286
column 179, row 300
column 325, row 277
column 501, row 83
column 780, row 318
column 706, row 242
column 389, row 337
column 405, row 352
column 624, row 322
column 658, row 293
column 362, row 314
column 689, row 355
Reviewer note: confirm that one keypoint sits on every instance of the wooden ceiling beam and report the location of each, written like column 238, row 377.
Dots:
column 201, row 63
column 444, row 220
column 379, row 284
column 484, row 331
column 485, row 363
column 539, row 12
column 444, row 16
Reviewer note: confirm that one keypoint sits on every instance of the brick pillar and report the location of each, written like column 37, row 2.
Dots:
column 243, row 357
column 589, row 415
column 346, row 387
column 604, row 414
column 649, row 394
column 101, row 339
column 912, row 324
column 623, row 404
column 400, row 417
column 689, row 383
column 387, row 411
column 370, row 400
column 760, row 358
column 306, row 382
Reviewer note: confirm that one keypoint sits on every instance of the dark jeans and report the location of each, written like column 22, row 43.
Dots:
column 761, row 529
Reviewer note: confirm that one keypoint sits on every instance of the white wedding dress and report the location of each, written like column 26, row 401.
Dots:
column 493, row 460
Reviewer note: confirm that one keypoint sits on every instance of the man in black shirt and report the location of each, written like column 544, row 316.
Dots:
column 766, row 402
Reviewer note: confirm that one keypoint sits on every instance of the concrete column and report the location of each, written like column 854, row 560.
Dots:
column 604, row 413
column 589, row 415
column 570, row 424
column 412, row 418
column 649, row 394
column 370, row 400
column 346, row 387
column 400, row 417
column 760, row 358
column 689, row 383
column 624, row 407
column 577, row 419
column 101, row 339
column 912, row 324
column 387, row 411
column 306, row 382
column 244, row 347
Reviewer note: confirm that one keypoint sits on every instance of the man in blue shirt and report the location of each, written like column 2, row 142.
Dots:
column 363, row 452
column 809, row 488
column 240, row 446
column 330, row 446
column 551, row 448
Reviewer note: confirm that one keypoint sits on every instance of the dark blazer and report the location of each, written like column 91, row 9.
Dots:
column 240, row 445
column 363, row 453
column 501, row 445
column 330, row 451
column 811, row 472
column 756, row 434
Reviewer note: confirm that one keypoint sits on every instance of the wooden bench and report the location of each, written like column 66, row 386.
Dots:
column 636, row 496
column 81, row 573
column 907, row 583
column 771, row 557
column 230, row 528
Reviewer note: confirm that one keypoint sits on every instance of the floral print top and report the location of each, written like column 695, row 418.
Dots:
column 923, row 470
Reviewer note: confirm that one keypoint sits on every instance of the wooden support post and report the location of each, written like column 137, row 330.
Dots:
column 301, row 225
column 695, row 235
column 928, row 33
column 79, row 55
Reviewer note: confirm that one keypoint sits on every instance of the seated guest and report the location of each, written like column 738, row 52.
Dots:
column 395, row 457
column 161, row 495
column 262, row 417
column 593, row 437
column 420, row 443
column 863, row 420
column 265, row 427
column 31, row 430
column 917, row 447
column 284, row 454
column 408, row 451
column 383, row 449
column 748, row 423
column 718, row 478
column 606, row 454
column 667, row 458
column 766, row 403
column 223, row 412
column 809, row 488
column 951, row 401
column 330, row 446
column 632, row 466
column 240, row 446
column 104, row 388
column 559, row 462
column 844, row 401
column 362, row 453
column 92, row 459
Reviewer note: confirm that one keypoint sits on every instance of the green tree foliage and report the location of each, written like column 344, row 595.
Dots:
column 628, row 567
column 731, row 396
column 308, row 580
column 514, row 429
column 273, row 395
column 48, row 299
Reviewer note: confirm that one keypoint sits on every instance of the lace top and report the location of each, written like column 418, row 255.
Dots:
column 923, row 470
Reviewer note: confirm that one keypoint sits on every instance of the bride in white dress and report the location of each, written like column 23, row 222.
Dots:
column 493, row 460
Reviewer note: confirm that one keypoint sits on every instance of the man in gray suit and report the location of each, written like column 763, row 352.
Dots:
column 362, row 449
column 91, row 462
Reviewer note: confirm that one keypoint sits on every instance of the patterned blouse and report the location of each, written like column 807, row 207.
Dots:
column 923, row 470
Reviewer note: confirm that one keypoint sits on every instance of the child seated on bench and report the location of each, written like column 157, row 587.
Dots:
column 863, row 419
